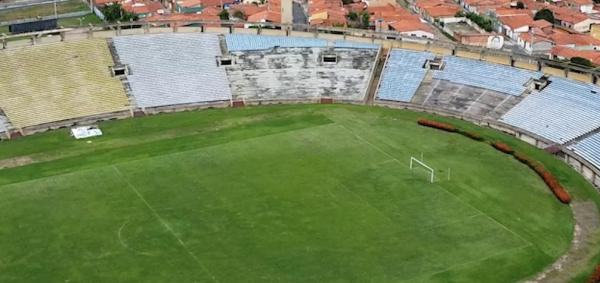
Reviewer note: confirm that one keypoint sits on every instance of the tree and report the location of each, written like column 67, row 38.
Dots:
column 365, row 19
column 544, row 14
column 483, row 22
column 520, row 5
column 581, row 61
column 352, row 16
column 239, row 14
column 224, row 15
column 115, row 12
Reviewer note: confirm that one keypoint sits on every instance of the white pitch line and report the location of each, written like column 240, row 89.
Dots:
column 165, row 224
column 372, row 145
column 486, row 215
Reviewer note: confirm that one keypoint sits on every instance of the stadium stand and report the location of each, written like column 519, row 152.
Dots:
column 464, row 99
column 171, row 69
column 248, row 42
column 352, row 44
column 59, row 81
column 477, row 73
column 301, row 74
column 402, row 75
column 562, row 111
column 3, row 124
column 588, row 148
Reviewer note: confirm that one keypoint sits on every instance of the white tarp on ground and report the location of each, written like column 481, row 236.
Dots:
column 85, row 132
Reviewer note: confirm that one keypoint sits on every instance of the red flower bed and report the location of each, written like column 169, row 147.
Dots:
column 595, row 277
column 553, row 184
column 472, row 135
column 437, row 125
column 503, row 147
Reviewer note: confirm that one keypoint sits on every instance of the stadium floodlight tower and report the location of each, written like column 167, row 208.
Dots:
column 431, row 171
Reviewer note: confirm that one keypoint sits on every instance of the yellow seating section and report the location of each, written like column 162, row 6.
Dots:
column 59, row 81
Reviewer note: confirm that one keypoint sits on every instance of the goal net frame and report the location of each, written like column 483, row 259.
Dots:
column 431, row 170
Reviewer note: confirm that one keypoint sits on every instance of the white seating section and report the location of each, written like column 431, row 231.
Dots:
column 248, row 42
column 402, row 75
column 564, row 110
column 3, row 124
column 170, row 69
column 481, row 74
column 588, row 148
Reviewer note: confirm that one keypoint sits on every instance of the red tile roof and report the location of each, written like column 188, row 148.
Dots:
column 142, row 7
column 565, row 52
column 501, row 12
column 535, row 37
column 441, row 11
column 580, row 2
column 182, row 18
column 247, row 9
column 408, row 26
column 356, row 7
column 542, row 24
column 213, row 11
column 567, row 15
column 574, row 39
column 515, row 22
column 265, row 16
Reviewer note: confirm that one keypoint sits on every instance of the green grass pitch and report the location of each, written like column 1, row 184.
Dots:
column 300, row 193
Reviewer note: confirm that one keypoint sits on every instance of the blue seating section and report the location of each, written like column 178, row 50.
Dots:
column 351, row 44
column 477, row 73
column 247, row 42
column 589, row 149
column 169, row 69
column 402, row 75
column 564, row 110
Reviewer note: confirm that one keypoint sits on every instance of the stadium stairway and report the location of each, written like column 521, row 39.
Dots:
column 374, row 83
column 124, row 80
column 582, row 137
column 425, row 89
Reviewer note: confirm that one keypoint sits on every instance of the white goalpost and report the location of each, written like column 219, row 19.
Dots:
column 431, row 171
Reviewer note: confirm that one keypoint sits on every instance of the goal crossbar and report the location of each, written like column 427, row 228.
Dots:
column 412, row 159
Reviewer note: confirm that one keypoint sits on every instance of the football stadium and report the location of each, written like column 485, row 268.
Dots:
column 210, row 154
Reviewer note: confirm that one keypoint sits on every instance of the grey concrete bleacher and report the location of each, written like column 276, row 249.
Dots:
column 300, row 73
column 171, row 69
column 562, row 111
column 402, row 75
column 500, row 78
column 588, row 148
column 464, row 99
